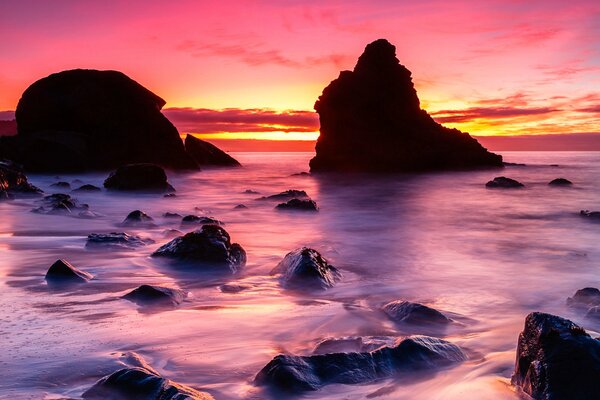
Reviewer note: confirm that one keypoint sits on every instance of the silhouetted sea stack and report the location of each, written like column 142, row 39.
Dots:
column 371, row 120
column 205, row 153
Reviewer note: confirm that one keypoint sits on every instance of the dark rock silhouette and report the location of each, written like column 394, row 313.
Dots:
column 118, row 240
column 61, row 185
column 298, row 374
column 306, row 268
column 59, row 203
column 204, row 153
column 87, row 188
column 139, row 177
column 13, row 182
column 149, row 295
column 414, row 313
column 288, row 194
column 171, row 215
column 63, row 272
column 240, row 207
column 585, row 297
column 504, row 183
column 557, row 359
column 371, row 120
column 141, row 384
column 595, row 215
column 8, row 128
column 92, row 120
column 138, row 218
column 196, row 220
column 298, row 204
column 560, row 182
column 209, row 246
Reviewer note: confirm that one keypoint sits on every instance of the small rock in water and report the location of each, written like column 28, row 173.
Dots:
column 556, row 359
column 63, row 272
column 196, row 220
column 240, row 207
column 88, row 188
column 560, row 182
column 61, row 185
column 590, row 214
column 414, row 313
column 147, row 295
column 116, row 240
column 298, row 374
column 171, row 215
column 585, row 297
column 233, row 288
column 139, row 177
column 298, row 204
column 250, row 191
column 209, row 246
column 288, row 194
column 353, row 344
column 504, row 183
column 138, row 218
column 141, row 384
column 59, row 203
column 306, row 268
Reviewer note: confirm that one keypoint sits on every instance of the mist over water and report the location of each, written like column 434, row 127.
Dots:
column 484, row 257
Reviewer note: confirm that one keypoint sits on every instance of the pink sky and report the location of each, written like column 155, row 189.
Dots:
column 490, row 68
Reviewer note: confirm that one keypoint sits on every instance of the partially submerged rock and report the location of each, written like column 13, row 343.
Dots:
column 196, row 220
column 209, row 246
column 306, row 268
column 240, row 207
column 61, row 185
column 119, row 240
column 305, row 373
column 64, row 272
column 59, row 203
column 414, row 313
column 557, row 359
column 298, row 204
column 139, row 177
column 150, row 295
column 288, row 194
column 371, row 120
column 586, row 297
column 13, row 182
column 138, row 218
column 88, row 188
column 590, row 214
column 504, row 183
column 141, row 384
column 353, row 344
column 205, row 153
column 560, row 182
column 171, row 215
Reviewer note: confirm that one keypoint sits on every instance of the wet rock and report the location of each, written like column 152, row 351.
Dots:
column 504, row 183
column 595, row 215
column 139, row 177
column 288, row 194
column 305, row 268
column 414, row 313
column 209, row 246
column 138, row 218
column 13, row 182
column 353, row 344
column 298, row 204
column 61, row 185
column 92, row 120
column 298, row 374
column 149, row 295
column 371, row 120
column 560, row 182
column 63, row 272
column 168, row 195
column 205, row 153
column 196, row 220
column 556, row 359
column 141, row 384
column 59, row 203
column 119, row 240
column 233, row 288
column 88, row 188
column 240, row 207
column 586, row 297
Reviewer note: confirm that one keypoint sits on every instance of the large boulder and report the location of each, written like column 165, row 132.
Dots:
column 139, row 177
column 209, row 246
column 306, row 268
column 204, row 153
column 557, row 360
column 141, row 384
column 371, row 120
column 92, row 120
column 13, row 182
column 304, row 373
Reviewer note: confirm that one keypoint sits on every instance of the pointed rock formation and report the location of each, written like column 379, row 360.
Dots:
column 205, row 153
column 371, row 120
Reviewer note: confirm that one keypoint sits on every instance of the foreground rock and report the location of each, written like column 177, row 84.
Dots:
column 371, row 120
column 139, row 177
column 138, row 218
column 504, row 183
column 92, row 120
column 141, row 384
column 119, row 240
column 204, row 153
column 306, row 268
column 63, row 272
column 149, row 295
column 209, row 246
column 414, row 313
column 560, row 182
column 298, row 204
column 418, row 353
column 13, row 182
column 557, row 359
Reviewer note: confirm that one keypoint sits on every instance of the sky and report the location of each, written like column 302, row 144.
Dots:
column 253, row 69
